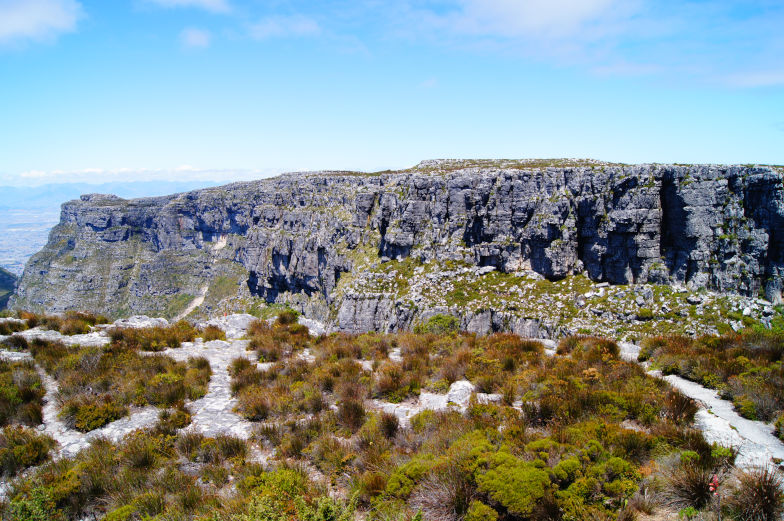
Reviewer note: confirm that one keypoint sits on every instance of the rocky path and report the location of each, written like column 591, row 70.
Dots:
column 213, row 414
column 195, row 303
column 718, row 421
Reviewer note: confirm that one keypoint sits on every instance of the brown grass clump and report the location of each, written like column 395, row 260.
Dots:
column 759, row 495
column 153, row 338
column 688, row 485
column 213, row 333
column 351, row 414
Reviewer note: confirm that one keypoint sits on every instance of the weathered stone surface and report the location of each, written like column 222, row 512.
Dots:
column 297, row 239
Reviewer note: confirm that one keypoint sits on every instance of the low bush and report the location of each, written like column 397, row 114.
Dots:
column 153, row 338
column 438, row 325
column 759, row 495
column 11, row 327
column 21, row 394
column 85, row 412
column 688, row 485
column 96, row 385
column 210, row 333
column 21, row 448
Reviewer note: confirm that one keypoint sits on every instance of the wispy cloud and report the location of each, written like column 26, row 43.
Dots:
column 215, row 6
column 513, row 18
column 708, row 41
column 102, row 175
column 284, row 27
column 37, row 20
column 757, row 79
column 195, row 38
column 430, row 83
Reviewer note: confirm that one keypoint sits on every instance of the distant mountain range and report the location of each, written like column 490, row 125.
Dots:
column 53, row 195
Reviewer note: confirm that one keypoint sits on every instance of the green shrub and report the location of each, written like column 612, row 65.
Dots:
column 37, row 505
column 85, row 413
column 21, row 448
column 438, row 324
column 478, row 511
column 21, row 394
column 780, row 426
column 512, row 483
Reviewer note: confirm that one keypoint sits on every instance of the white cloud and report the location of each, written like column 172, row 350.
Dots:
column 515, row 18
column 285, row 26
column 195, row 38
column 430, row 83
column 119, row 175
column 216, row 6
column 758, row 79
column 22, row 20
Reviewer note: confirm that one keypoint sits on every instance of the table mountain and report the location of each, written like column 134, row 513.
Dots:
column 384, row 251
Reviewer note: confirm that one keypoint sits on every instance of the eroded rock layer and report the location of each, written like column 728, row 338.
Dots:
column 321, row 242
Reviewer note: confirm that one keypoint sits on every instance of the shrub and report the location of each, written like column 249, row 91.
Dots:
column 514, row 484
column 213, row 333
column 85, row 413
column 759, row 495
column 688, row 485
column 780, row 427
column 153, row 338
column 444, row 495
column 438, row 325
column 21, row 448
column 9, row 328
column 478, row 511
column 169, row 422
column 389, row 425
column 231, row 446
column 188, row 443
column 678, row 407
column 21, row 394
column 351, row 414
column 254, row 403
column 165, row 389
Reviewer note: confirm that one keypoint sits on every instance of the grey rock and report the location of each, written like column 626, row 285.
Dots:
column 295, row 239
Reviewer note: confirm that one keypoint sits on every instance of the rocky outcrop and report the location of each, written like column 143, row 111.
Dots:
column 321, row 242
column 7, row 286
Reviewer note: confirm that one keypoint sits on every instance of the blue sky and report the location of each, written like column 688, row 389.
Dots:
column 220, row 89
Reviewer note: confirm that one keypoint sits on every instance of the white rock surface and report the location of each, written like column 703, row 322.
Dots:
column 93, row 339
column 140, row 321
column 235, row 326
column 458, row 397
column 213, row 414
column 15, row 356
column 315, row 327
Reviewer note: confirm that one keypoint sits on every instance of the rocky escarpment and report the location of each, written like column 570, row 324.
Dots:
column 7, row 286
column 369, row 251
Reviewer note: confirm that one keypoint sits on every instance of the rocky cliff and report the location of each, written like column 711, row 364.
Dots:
column 477, row 239
column 7, row 286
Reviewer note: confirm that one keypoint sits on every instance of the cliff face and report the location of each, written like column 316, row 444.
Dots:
column 351, row 250
column 7, row 286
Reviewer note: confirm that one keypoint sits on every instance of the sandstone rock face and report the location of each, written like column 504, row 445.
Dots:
column 312, row 240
